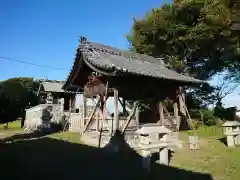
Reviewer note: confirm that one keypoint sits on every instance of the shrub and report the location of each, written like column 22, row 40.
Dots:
column 194, row 124
column 208, row 117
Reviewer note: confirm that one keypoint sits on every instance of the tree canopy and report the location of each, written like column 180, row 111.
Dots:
column 15, row 95
column 192, row 37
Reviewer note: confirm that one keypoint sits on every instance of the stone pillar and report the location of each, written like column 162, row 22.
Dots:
column 163, row 156
column 146, row 159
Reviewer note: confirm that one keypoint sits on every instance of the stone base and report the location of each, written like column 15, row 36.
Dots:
column 230, row 141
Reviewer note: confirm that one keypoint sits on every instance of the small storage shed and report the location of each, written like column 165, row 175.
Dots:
column 50, row 92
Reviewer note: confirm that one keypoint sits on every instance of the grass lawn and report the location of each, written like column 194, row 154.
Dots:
column 62, row 156
column 213, row 156
column 13, row 127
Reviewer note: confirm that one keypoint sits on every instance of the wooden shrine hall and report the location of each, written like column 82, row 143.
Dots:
column 101, row 71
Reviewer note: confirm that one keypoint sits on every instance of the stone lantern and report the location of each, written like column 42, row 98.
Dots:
column 231, row 126
column 153, row 136
column 232, row 131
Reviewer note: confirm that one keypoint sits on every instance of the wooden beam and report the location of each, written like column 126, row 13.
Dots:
column 137, row 114
column 129, row 117
column 105, row 110
column 161, row 113
column 92, row 114
column 84, row 110
column 123, row 104
column 116, row 113
column 39, row 89
column 190, row 119
column 166, row 111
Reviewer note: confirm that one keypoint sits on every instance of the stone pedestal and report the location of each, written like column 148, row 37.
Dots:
column 230, row 141
column 146, row 159
column 237, row 140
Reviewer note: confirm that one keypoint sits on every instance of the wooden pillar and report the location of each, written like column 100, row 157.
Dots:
column 181, row 98
column 183, row 123
column 84, row 108
column 97, row 120
column 137, row 113
column 73, row 101
column 161, row 113
column 124, row 106
column 70, row 103
column 116, row 117
column 175, row 111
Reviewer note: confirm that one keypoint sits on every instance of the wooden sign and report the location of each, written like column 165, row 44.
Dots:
column 93, row 87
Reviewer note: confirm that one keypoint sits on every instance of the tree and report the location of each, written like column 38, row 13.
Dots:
column 27, row 82
column 192, row 37
column 15, row 95
column 224, row 87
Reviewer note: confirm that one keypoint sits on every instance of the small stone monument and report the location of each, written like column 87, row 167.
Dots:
column 49, row 99
column 193, row 142
column 232, row 132
column 61, row 101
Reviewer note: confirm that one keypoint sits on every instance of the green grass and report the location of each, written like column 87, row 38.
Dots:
column 213, row 156
column 13, row 127
column 66, row 136
column 204, row 131
column 62, row 156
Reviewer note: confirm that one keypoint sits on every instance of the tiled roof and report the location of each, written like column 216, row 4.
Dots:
column 113, row 60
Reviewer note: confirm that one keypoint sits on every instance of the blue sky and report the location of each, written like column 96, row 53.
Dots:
column 46, row 32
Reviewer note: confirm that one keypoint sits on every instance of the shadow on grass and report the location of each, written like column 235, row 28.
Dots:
column 26, row 136
column 48, row 158
column 223, row 140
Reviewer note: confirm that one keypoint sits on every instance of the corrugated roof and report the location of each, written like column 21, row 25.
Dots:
column 114, row 60
column 52, row 86
column 231, row 123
